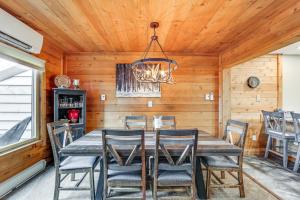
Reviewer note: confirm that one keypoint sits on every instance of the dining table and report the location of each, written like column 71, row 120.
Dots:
column 91, row 145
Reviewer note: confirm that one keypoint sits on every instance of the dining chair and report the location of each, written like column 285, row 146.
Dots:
column 123, row 171
column 296, row 120
column 166, row 122
column 135, row 122
column 69, row 165
column 275, row 128
column 235, row 133
column 176, row 167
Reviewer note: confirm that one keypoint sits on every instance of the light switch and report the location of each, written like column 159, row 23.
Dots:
column 150, row 104
column 257, row 98
column 254, row 137
column 207, row 97
column 211, row 96
column 102, row 97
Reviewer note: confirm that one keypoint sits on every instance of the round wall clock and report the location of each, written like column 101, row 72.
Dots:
column 253, row 82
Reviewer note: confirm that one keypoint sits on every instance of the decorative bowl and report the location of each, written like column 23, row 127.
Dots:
column 62, row 81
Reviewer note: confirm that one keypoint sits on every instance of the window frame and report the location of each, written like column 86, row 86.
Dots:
column 35, row 112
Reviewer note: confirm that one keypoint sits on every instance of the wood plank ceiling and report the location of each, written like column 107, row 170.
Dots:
column 202, row 26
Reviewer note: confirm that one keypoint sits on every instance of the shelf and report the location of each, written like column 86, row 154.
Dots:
column 70, row 108
column 76, row 124
column 78, row 103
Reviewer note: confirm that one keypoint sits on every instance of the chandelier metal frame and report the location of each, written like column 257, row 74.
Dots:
column 150, row 69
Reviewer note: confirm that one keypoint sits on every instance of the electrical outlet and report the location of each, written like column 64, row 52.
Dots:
column 150, row 104
column 102, row 97
column 254, row 137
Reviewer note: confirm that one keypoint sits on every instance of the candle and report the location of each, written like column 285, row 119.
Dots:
column 76, row 83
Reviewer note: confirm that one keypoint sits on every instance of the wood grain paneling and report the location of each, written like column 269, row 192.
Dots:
column 16, row 161
column 243, row 103
column 238, row 29
column 196, row 76
column 274, row 27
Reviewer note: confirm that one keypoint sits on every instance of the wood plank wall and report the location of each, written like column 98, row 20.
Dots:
column 196, row 76
column 14, row 162
column 243, row 103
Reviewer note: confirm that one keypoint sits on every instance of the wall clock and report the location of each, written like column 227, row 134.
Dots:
column 253, row 82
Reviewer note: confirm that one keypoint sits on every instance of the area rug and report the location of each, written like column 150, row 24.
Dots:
column 42, row 187
column 283, row 183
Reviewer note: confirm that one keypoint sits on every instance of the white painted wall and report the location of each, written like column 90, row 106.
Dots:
column 291, row 82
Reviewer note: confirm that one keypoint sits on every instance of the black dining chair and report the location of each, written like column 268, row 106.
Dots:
column 176, row 167
column 123, row 170
column 276, row 128
column 69, row 165
column 235, row 133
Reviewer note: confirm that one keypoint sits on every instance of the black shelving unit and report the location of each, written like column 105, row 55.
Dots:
column 67, row 99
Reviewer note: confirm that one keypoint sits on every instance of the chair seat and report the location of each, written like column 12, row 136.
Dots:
column 167, row 166
column 135, row 166
column 174, row 178
column 280, row 134
column 219, row 162
column 78, row 162
column 124, row 178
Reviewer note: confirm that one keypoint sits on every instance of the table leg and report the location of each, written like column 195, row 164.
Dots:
column 99, row 190
column 199, row 180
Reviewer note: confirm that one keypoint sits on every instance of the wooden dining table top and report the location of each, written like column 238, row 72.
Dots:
column 91, row 144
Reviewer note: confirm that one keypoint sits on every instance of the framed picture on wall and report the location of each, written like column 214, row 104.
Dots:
column 128, row 86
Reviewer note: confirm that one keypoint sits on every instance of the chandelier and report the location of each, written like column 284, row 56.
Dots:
column 154, row 70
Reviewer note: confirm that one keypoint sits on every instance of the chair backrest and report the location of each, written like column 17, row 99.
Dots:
column 15, row 133
column 274, row 121
column 135, row 122
column 178, row 147
column 60, row 135
column 235, row 132
column 296, row 120
column 166, row 122
column 123, row 146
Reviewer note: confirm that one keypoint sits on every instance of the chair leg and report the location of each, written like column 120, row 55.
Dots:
column 222, row 174
column 285, row 153
column 241, row 183
column 72, row 176
column 193, row 187
column 269, row 143
column 208, row 176
column 92, row 186
column 154, row 191
column 296, row 166
column 57, row 185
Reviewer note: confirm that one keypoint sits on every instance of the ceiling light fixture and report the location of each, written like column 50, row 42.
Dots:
column 154, row 69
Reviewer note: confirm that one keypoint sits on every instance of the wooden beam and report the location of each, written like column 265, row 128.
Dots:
column 220, row 117
column 279, row 81
column 274, row 30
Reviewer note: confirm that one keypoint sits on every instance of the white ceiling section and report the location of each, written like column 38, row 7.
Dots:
column 293, row 49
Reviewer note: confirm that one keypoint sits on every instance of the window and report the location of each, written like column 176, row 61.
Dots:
column 18, row 104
